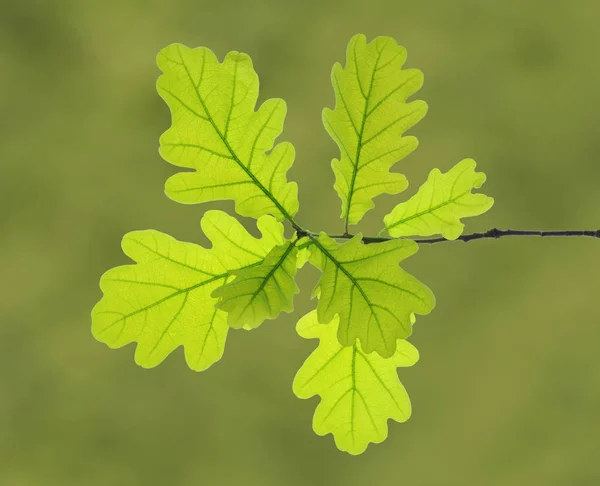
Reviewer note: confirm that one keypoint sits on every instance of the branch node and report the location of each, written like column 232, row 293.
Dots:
column 301, row 233
column 494, row 233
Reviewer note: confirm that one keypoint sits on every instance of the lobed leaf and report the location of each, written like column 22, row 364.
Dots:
column 370, row 115
column 216, row 131
column 261, row 292
column 359, row 391
column 373, row 296
column 439, row 204
column 164, row 300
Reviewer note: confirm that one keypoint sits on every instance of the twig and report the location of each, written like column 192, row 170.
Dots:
column 492, row 233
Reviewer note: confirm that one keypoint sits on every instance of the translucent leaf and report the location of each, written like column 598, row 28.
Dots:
column 216, row 131
column 373, row 296
column 439, row 204
column 163, row 301
column 359, row 392
column 303, row 246
column 369, row 118
column 261, row 292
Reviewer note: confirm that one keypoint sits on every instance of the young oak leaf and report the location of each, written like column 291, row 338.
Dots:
column 216, row 131
column 373, row 296
column 304, row 248
column 261, row 292
column 359, row 391
column 163, row 301
column 439, row 204
column 370, row 115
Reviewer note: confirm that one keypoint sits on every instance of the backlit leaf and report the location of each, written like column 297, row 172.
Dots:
column 216, row 131
column 260, row 292
column 373, row 296
column 439, row 204
column 163, row 301
column 359, row 391
column 370, row 115
column 304, row 247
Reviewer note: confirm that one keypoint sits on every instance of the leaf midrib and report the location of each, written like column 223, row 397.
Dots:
column 360, row 134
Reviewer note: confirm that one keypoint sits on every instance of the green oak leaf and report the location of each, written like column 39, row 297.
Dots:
column 303, row 245
column 359, row 391
column 439, row 204
column 370, row 115
column 163, row 301
column 261, row 292
column 373, row 296
column 216, row 131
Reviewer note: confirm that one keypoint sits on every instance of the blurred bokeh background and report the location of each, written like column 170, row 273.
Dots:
column 507, row 391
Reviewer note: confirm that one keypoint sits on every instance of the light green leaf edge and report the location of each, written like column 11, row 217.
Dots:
column 304, row 250
column 369, row 117
column 163, row 301
column 359, row 392
column 216, row 131
column 439, row 204
column 260, row 292
column 366, row 287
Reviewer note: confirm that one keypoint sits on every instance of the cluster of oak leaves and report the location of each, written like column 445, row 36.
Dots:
column 181, row 293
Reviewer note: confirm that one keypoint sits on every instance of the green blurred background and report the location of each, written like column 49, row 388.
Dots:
column 507, row 391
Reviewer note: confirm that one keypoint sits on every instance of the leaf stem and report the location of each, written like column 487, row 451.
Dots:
column 491, row 233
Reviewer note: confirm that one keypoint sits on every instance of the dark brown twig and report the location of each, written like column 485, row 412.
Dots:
column 492, row 233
